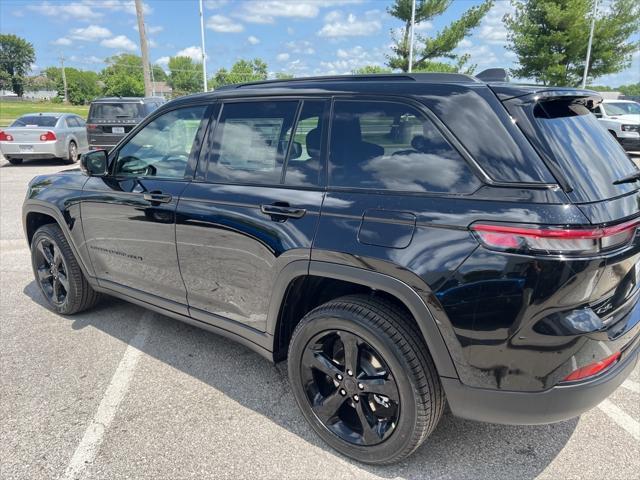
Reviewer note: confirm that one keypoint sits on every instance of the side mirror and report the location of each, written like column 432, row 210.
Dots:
column 296, row 150
column 94, row 163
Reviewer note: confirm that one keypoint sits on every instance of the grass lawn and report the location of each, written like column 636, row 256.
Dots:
column 11, row 110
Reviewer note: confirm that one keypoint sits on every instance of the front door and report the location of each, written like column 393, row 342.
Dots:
column 128, row 217
column 256, row 209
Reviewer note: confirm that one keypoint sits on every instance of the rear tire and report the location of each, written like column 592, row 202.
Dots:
column 72, row 152
column 58, row 273
column 15, row 161
column 390, row 359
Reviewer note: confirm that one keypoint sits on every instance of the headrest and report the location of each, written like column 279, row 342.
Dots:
column 313, row 143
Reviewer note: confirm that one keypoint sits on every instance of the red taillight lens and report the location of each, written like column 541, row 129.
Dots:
column 92, row 126
column 554, row 240
column 5, row 137
column 46, row 137
column 593, row 368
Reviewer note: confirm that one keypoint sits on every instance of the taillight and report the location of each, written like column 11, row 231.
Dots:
column 5, row 137
column 46, row 137
column 554, row 240
column 593, row 368
column 92, row 126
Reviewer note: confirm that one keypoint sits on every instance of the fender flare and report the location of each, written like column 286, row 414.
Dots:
column 378, row 281
column 36, row 206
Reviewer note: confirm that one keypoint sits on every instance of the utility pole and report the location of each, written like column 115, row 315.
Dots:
column 204, row 55
column 64, row 79
column 144, row 47
column 413, row 21
column 593, row 24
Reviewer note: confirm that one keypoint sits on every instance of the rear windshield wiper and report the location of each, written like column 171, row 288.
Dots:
column 634, row 177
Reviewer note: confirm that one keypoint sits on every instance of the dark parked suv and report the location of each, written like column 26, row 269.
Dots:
column 111, row 118
column 403, row 241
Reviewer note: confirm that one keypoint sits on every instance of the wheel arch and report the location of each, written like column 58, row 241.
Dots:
column 290, row 301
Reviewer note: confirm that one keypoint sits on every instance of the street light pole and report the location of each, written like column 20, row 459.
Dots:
column 204, row 55
column 593, row 24
column 413, row 21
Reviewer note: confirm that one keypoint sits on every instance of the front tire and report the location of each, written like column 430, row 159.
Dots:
column 58, row 273
column 364, row 380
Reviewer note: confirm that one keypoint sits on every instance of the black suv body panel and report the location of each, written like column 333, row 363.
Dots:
column 500, row 326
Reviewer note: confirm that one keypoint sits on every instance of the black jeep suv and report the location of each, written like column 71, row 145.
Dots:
column 403, row 241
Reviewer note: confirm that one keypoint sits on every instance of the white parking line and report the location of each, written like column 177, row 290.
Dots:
column 631, row 385
column 621, row 418
column 90, row 444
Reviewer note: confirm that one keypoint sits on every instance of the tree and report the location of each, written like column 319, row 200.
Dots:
column 82, row 86
column 550, row 39
column 241, row 72
column 185, row 75
column 283, row 76
column 16, row 57
column 123, row 76
column 427, row 51
column 369, row 69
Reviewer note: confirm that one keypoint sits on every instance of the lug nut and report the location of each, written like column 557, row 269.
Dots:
column 350, row 373
column 339, row 377
column 343, row 392
column 361, row 386
column 356, row 398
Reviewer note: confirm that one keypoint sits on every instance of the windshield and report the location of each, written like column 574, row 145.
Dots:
column 35, row 121
column 622, row 108
column 587, row 155
column 110, row 111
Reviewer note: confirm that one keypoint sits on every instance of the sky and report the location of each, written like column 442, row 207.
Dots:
column 301, row 37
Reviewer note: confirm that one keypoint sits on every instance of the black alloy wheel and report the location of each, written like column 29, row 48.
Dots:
column 350, row 387
column 51, row 271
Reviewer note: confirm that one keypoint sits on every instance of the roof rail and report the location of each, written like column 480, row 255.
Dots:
column 385, row 77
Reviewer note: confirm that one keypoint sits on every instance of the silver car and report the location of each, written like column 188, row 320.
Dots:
column 44, row 135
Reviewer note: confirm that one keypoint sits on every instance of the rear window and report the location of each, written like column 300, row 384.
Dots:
column 586, row 153
column 35, row 121
column 116, row 110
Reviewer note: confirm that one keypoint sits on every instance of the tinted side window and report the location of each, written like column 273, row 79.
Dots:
column 251, row 141
column 162, row 148
column 392, row 146
column 303, row 165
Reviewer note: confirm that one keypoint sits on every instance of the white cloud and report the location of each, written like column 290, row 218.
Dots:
column 303, row 46
column 266, row 11
column 336, row 25
column 492, row 29
column 119, row 42
column 164, row 61
column 73, row 10
column 350, row 59
column 220, row 23
column 253, row 40
column 61, row 41
column 282, row 57
column 193, row 52
column 423, row 26
column 90, row 33
column 127, row 6
column 213, row 4
column 151, row 29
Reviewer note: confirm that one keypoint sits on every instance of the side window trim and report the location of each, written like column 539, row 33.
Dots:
column 113, row 154
column 294, row 127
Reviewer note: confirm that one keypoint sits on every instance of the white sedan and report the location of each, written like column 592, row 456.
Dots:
column 44, row 135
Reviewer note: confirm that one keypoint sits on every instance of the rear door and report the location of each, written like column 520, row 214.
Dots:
column 254, row 208
column 128, row 217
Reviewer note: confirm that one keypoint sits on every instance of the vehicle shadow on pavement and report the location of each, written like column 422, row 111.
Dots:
column 40, row 162
column 458, row 449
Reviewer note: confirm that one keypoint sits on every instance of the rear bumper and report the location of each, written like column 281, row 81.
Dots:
column 51, row 149
column 559, row 403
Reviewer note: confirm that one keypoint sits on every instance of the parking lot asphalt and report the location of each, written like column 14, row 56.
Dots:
column 120, row 392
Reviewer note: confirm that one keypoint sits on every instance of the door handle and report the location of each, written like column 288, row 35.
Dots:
column 278, row 212
column 156, row 197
